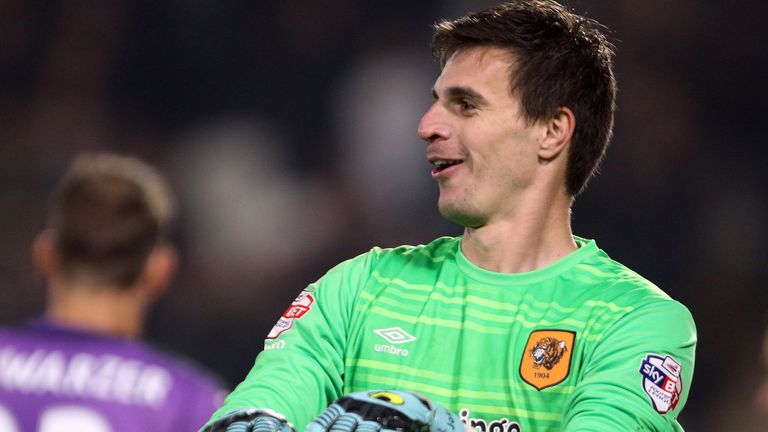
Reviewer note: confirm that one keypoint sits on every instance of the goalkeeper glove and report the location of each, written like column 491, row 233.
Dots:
column 385, row 411
column 250, row 420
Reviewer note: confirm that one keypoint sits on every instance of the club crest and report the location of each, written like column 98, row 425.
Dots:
column 547, row 357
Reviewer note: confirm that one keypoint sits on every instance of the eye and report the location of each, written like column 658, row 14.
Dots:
column 466, row 105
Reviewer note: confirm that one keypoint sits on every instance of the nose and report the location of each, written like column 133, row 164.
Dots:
column 432, row 125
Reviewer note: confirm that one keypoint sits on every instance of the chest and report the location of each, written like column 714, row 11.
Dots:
column 488, row 352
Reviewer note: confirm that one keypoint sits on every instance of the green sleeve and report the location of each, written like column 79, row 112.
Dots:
column 300, row 371
column 611, row 394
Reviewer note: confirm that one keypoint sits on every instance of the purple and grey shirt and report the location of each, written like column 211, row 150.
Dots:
column 56, row 379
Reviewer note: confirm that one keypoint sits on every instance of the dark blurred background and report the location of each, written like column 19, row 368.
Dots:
column 288, row 131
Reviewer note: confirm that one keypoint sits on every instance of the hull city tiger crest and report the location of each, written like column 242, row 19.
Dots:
column 547, row 357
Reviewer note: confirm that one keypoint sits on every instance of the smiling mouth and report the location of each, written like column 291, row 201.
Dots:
column 441, row 165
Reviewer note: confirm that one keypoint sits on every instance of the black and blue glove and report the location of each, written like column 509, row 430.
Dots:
column 385, row 410
column 250, row 420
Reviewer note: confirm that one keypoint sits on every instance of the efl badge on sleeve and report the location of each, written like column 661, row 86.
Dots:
column 296, row 310
column 547, row 357
column 662, row 381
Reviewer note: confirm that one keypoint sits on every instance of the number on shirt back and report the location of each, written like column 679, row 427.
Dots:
column 61, row 418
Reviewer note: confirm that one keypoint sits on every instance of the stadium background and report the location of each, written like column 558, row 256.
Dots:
column 288, row 132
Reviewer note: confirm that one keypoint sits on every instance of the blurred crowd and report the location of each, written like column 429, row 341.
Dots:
column 288, row 132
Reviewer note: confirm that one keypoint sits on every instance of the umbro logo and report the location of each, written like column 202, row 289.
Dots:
column 394, row 336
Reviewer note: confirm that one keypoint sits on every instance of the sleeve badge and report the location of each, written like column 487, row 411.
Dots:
column 300, row 306
column 662, row 381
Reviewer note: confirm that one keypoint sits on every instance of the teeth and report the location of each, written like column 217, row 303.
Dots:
column 440, row 164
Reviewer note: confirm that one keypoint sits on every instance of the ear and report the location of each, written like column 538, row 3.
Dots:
column 159, row 270
column 558, row 133
column 44, row 255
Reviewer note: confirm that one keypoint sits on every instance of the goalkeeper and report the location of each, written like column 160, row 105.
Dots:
column 517, row 325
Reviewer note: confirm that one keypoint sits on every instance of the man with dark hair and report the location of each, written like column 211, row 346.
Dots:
column 518, row 325
column 105, row 257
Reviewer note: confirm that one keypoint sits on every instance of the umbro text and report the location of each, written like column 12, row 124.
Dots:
column 391, row 349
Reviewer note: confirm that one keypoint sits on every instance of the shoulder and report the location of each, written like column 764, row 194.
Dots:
column 617, row 282
column 184, row 370
column 191, row 391
column 623, row 290
column 7, row 332
column 139, row 372
column 11, row 337
column 433, row 252
column 633, row 298
column 185, row 382
column 389, row 259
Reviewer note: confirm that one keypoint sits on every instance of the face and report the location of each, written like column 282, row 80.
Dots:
column 482, row 149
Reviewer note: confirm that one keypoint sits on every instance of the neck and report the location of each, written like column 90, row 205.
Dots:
column 533, row 237
column 104, row 310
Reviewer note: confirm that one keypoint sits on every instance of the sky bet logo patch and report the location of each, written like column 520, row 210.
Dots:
column 300, row 306
column 661, row 381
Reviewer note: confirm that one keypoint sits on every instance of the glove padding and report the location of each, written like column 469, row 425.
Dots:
column 389, row 410
column 250, row 420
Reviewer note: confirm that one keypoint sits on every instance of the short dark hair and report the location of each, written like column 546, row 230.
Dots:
column 107, row 214
column 563, row 60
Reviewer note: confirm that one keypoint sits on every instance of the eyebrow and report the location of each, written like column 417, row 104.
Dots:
column 461, row 92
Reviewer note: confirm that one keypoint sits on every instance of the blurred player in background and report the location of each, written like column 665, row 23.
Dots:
column 518, row 325
column 105, row 259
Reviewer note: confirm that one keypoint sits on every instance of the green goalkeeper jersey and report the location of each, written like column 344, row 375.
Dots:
column 584, row 344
